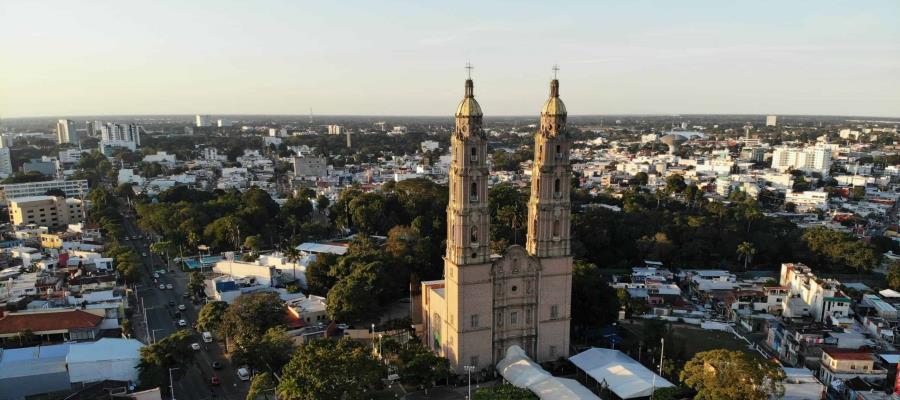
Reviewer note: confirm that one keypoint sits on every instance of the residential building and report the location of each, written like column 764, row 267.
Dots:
column 310, row 166
column 808, row 201
column 771, row 120
column 45, row 211
column 807, row 159
column 66, row 133
column 6, row 168
column 822, row 298
column 201, row 121
column 848, row 364
column 335, row 129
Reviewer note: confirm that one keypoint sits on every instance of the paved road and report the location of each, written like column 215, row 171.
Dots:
column 194, row 382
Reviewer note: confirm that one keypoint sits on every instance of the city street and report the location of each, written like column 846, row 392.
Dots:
column 195, row 381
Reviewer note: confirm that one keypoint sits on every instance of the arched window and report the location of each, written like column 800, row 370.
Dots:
column 474, row 235
column 556, row 187
column 473, row 192
column 556, row 229
column 474, row 154
column 558, row 152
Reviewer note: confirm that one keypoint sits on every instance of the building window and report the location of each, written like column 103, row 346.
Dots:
column 474, row 321
column 556, row 229
column 513, row 318
column 558, row 152
column 500, row 318
column 473, row 234
column 474, row 154
column 556, row 188
column 473, row 192
column 554, row 311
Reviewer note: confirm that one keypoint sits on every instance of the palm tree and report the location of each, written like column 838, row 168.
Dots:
column 746, row 251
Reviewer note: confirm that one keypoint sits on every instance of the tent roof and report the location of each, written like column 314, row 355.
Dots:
column 623, row 375
column 521, row 372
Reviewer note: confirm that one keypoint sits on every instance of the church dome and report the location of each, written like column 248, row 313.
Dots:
column 554, row 105
column 469, row 107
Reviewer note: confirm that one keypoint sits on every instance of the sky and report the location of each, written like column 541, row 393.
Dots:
column 86, row 57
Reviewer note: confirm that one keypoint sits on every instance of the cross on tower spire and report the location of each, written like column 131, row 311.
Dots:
column 469, row 70
column 555, row 70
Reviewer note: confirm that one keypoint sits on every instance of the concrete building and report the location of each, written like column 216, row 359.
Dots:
column 72, row 188
column 772, row 120
column 6, row 168
column 822, row 298
column 808, row 159
column 808, row 201
column 201, row 121
column 45, row 210
column 335, row 129
column 66, row 133
column 848, row 364
column 309, row 166
column 44, row 165
column 487, row 304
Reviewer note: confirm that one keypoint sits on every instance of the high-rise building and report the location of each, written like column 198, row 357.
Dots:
column 771, row 120
column 45, row 210
column 201, row 121
column 5, row 163
column 487, row 304
column 119, row 135
column 335, row 129
column 65, row 132
column 808, row 159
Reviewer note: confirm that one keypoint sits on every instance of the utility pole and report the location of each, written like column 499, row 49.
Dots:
column 469, row 369
column 171, row 387
column 662, row 354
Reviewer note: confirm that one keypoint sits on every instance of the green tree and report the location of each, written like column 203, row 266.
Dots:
column 350, row 373
column 732, row 375
column 746, row 251
column 195, row 284
column 157, row 358
column 893, row 276
column 673, row 393
column 211, row 315
column 251, row 315
column 639, row 179
column 503, row 392
column 270, row 352
column 594, row 302
column 261, row 385
column 419, row 366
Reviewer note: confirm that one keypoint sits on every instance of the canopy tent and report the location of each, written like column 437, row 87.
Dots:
column 621, row 374
column 522, row 372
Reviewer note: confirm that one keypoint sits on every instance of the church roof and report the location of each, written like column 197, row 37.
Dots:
column 554, row 105
column 469, row 107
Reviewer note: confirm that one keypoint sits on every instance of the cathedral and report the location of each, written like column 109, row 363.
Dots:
column 487, row 303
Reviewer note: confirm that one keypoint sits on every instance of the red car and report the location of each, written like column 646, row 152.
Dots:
column 215, row 380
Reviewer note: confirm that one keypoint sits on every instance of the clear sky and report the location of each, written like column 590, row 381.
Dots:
column 84, row 57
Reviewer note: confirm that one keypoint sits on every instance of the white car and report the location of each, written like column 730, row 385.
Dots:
column 169, row 286
column 243, row 374
column 162, row 286
column 156, row 275
column 144, row 254
column 181, row 307
column 195, row 346
column 182, row 322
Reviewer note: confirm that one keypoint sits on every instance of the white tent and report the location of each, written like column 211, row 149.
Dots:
column 623, row 375
column 521, row 372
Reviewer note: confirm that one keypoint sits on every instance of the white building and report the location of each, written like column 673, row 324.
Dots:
column 771, row 120
column 65, row 132
column 160, row 157
column 808, row 201
column 310, row 166
column 807, row 159
column 223, row 123
column 72, row 188
column 201, row 121
column 335, row 129
column 6, row 168
column 430, row 145
column 823, row 297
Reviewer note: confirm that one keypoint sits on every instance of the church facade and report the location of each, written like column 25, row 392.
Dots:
column 487, row 303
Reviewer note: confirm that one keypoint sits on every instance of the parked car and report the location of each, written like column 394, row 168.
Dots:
column 182, row 322
column 214, row 380
column 169, row 286
column 195, row 346
column 181, row 307
column 156, row 275
column 162, row 286
column 243, row 374
column 207, row 337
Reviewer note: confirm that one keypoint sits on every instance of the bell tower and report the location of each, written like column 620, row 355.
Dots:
column 467, row 265
column 549, row 217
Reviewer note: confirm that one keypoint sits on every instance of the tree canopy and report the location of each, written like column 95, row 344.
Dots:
column 349, row 371
column 732, row 375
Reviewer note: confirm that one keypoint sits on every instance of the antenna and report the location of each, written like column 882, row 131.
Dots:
column 555, row 70
column 310, row 116
column 469, row 69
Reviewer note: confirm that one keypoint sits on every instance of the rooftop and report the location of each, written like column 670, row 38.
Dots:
column 48, row 321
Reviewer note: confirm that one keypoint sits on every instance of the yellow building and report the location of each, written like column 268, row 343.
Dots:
column 47, row 211
column 50, row 241
column 487, row 303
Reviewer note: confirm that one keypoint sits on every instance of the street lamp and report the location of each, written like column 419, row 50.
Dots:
column 373, row 337
column 154, row 334
column 171, row 387
column 469, row 369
